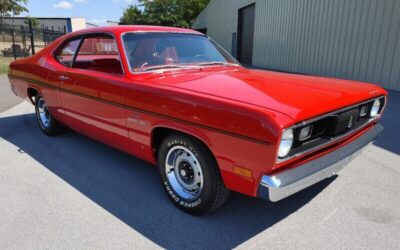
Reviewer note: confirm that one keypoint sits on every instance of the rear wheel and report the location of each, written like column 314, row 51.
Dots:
column 190, row 175
column 47, row 123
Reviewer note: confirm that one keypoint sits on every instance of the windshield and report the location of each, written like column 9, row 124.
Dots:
column 155, row 51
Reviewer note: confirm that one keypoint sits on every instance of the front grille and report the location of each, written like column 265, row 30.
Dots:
column 341, row 123
column 331, row 127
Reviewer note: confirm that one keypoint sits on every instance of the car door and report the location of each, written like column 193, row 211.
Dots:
column 92, row 91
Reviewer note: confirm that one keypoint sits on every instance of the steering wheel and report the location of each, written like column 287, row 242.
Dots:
column 198, row 57
column 143, row 65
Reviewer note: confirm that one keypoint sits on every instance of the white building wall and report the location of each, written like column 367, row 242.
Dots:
column 78, row 23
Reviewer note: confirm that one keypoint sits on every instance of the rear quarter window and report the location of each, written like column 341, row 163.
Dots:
column 65, row 55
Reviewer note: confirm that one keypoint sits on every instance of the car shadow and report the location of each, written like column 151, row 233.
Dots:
column 130, row 189
column 390, row 138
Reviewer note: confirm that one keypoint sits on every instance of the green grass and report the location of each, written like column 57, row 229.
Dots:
column 4, row 62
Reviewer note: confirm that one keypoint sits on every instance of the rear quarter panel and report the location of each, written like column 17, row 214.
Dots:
column 37, row 72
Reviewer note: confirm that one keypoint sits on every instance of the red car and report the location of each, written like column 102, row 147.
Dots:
column 174, row 98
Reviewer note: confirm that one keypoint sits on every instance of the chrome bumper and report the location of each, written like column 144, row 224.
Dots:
column 279, row 186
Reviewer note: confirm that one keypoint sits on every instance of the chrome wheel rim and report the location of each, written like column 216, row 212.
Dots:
column 184, row 174
column 43, row 113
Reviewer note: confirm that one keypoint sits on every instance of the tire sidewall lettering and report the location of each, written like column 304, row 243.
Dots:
column 178, row 200
column 182, row 143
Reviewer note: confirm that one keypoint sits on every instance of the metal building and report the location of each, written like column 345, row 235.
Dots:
column 61, row 24
column 351, row 39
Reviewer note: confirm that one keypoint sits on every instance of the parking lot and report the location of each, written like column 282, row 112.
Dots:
column 70, row 192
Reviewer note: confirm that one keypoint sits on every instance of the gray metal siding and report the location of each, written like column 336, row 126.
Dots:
column 351, row 39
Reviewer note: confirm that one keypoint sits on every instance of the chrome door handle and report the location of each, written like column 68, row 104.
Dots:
column 63, row 78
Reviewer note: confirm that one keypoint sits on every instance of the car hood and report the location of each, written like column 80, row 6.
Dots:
column 298, row 96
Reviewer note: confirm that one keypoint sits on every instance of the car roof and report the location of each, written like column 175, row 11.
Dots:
column 117, row 30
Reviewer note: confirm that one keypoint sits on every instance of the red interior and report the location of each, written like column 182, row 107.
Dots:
column 101, row 63
column 106, row 65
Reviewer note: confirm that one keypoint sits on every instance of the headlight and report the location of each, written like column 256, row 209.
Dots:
column 286, row 143
column 375, row 108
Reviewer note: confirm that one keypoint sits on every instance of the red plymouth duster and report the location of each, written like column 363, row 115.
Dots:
column 175, row 98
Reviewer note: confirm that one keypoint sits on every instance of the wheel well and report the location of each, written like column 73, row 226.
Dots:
column 159, row 134
column 31, row 94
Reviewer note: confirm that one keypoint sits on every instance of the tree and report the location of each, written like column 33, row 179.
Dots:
column 177, row 13
column 191, row 9
column 12, row 7
column 132, row 15
column 34, row 21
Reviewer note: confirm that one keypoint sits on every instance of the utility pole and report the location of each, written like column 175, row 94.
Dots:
column 32, row 36
column 13, row 42
column 13, row 38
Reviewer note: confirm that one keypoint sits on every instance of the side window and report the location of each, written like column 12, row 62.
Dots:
column 66, row 54
column 99, row 53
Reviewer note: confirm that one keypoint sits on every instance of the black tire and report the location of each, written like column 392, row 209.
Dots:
column 213, row 193
column 52, row 127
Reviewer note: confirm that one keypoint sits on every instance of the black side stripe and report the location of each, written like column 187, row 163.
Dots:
column 145, row 111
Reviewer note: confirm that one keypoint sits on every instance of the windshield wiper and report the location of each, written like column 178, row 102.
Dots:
column 169, row 66
column 217, row 63
column 180, row 66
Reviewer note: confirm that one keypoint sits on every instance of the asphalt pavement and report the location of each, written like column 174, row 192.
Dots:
column 71, row 192
column 7, row 97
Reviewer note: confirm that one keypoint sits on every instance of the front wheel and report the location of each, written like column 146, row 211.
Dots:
column 47, row 123
column 190, row 175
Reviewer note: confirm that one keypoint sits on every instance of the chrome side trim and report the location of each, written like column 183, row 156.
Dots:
column 333, row 139
column 279, row 186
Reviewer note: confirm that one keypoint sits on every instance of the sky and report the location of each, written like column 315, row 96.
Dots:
column 95, row 11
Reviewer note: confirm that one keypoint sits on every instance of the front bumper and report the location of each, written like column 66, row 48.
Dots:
column 279, row 186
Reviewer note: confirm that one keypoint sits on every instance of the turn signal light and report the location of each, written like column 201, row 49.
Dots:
column 242, row 171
